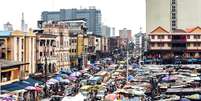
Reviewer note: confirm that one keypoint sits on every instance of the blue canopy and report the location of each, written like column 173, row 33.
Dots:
column 130, row 77
column 20, row 84
column 95, row 67
column 192, row 60
column 134, row 65
column 96, row 78
column 59, row 78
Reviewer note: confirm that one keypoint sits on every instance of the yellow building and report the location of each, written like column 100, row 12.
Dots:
column 19, row 46
column 76, row 48
column 10, row 71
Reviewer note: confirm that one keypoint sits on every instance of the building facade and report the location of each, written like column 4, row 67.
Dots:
column 19, row 46
column 106, row 31
column 92, row 16
column 45, row 46
column 172, row 14
column 125, row 36
column 113, row 43
column 182, row 43
column 8, row 27
column 140, row 42
column 61, row 31
column 11, row 71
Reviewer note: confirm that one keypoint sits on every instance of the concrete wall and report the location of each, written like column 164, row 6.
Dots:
column 157, row 14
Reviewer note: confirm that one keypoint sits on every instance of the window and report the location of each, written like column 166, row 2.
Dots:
column 169, row 36
column 41, row 42
column 152, row 44
column 169, row 45
column 161, row 37
column 96, row 40
column 195, row 44
column 162, row 44
column 198, row 36
column 48, row 41
column 188, row 44
column 198, row 44
column 188, row 36
column 41, row 54
column 22, row 43
column 5, row 76
column 22, row 59
column 153, row 37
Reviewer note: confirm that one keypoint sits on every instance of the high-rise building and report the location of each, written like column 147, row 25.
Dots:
column 8, row 27
column 125, row 37
column 125, row 34
column 92, row 16
column 106, row 31
column 113, row 31
column 172, row 14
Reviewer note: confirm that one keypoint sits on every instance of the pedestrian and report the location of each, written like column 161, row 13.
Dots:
column 20, row 97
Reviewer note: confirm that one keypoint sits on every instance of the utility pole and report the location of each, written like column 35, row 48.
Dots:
column 45, row 54
column 127, row 65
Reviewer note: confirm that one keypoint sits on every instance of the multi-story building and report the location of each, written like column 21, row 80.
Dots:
column 78, row 48
column 172, row 14
column 19, row 46
column 61, row 31
column 77, row 31
column 10, row 71
column 113, row 31
column 113, row 43
column 104, row 44
column 166, row 45
column 106, row 31
column 8, row 27
column 92, row 16
column 125, row 37
column 45, row 46
column 140, row 42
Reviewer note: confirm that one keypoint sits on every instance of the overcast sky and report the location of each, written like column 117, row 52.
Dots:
column 115, row 13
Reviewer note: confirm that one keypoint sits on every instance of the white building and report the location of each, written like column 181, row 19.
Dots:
column 8, row 27
column 172, row 14
column 106, row 31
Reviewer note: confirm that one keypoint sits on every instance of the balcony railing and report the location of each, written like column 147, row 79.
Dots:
column 178, row 48
column 178, row 41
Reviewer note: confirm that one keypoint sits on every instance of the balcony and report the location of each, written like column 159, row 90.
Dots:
column 178, row 41
column 178, row 48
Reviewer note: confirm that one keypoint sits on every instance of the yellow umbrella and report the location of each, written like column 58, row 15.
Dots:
column 121, row 91
column 194, row 97
column 86, row 88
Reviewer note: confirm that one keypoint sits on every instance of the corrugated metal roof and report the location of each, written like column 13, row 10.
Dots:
column 5, row 33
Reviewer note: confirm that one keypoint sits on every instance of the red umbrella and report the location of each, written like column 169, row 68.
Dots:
column 38, row 89
column 110, row 97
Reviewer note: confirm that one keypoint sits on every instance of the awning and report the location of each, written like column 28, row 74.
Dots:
column 20, row 84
